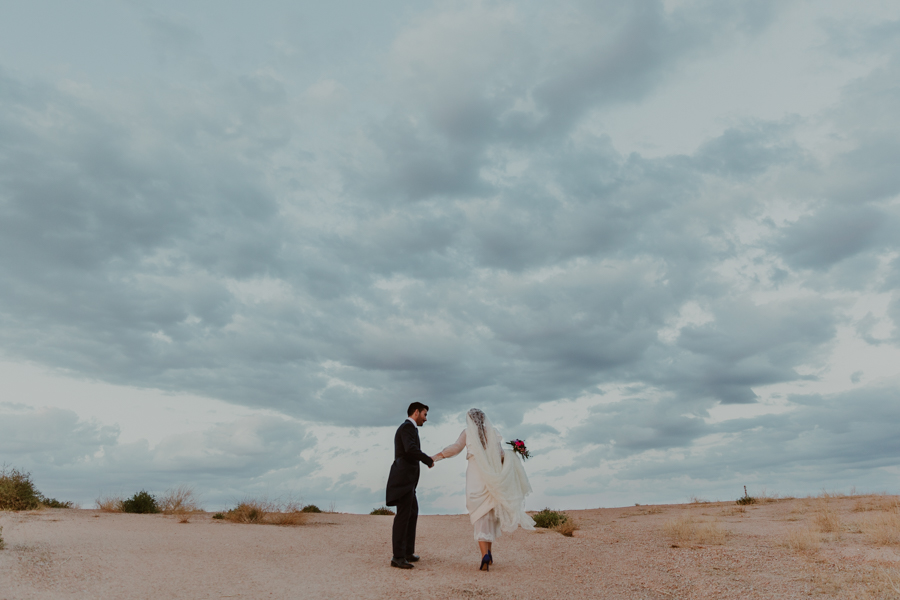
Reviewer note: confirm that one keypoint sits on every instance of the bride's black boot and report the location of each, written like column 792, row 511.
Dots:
column 485, row 563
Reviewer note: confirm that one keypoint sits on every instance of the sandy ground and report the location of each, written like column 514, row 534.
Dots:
column 618, row 553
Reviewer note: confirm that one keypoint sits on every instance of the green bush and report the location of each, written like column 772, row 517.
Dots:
column 384, row 510
column 746, row 498
column 17, row 491
column 549, row 518
column 311, row 508
column 54, row 503
column 219, row 516
column 141, row 503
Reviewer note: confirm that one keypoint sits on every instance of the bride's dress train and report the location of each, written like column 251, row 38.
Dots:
column 496, row 483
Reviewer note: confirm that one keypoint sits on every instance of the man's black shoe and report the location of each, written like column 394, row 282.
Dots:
column 412, row 557
column 400, row 563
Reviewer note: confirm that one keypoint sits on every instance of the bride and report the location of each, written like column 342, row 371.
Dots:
column 496, row 484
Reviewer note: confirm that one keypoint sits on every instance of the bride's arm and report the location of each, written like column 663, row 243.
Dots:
column 453, row 449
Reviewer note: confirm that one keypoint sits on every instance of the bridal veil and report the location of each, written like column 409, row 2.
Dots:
column 504, row 480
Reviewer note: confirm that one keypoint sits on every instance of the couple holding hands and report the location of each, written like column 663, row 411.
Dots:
column 496, row 483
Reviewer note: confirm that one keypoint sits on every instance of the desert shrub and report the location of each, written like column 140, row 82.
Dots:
column 311, row 508
column 248, row 511
column 54, row 503
column 262, row 511
column 141, row 503
column 687, row 530
column 549, row 519
column 109, row 503
column 219, row 516
column 179, row 501
column 2, row 543
column 746, row 498
column 17, row 491
column 384, row 510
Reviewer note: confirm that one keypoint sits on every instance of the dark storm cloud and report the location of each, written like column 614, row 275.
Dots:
column 749, row 345
column 137, row 266
column 451, row 236
column 829, row 236
column 849, row 432
column 637, row 425
column 525, row 84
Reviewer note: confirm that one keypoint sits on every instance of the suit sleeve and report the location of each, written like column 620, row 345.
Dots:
column 411, row 446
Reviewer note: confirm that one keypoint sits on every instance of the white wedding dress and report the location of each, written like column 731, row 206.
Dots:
column 496, row 483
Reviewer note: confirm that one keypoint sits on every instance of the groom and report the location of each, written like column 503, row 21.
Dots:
column 401, row 485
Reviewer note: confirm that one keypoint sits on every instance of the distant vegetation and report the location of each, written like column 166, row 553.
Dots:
column 384, row 510
column 181, row 502
column 17, row 492
column 555, row 520
column 746, row 498
column 688, row 530
column 265, row 512
column 549, row 518
column 141, row 503
column 311, row 508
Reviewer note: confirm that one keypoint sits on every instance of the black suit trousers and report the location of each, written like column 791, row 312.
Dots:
column 404, row 533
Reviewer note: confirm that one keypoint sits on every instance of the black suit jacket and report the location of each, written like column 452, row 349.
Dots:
column 407, row 455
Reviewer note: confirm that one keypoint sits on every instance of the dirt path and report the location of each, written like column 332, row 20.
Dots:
column 619, row 553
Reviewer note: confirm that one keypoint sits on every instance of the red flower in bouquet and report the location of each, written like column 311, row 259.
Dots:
column 519, row 448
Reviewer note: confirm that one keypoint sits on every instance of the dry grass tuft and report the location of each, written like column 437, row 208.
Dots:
column 826, row 495
column 248, row 511
column 687, row 530
column 764, row 497
column 889, row 580
column 804, row 540
column 179, row 500
column 109, row 503
column 567, row 527
column 264, row 512
column 827, row 520
column 710, row 532
column 877, row 502
column 883, row 529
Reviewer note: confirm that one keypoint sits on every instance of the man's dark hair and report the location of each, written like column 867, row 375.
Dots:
column 414, row 407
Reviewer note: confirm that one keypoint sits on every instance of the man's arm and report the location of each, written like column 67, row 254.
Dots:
column 411, row 446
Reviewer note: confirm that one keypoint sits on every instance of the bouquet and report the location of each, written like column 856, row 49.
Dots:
column 519, row 448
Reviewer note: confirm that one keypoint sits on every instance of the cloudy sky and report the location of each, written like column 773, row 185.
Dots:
column 657, row 239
